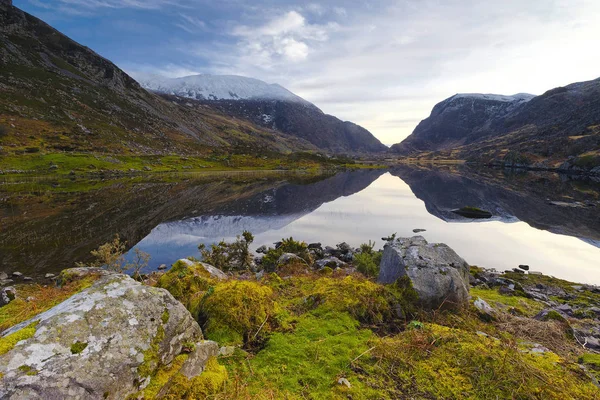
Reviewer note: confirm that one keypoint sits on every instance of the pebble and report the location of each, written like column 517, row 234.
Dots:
column 345, row 382
column 49, row 276
column 419, row 230
column 17, row 274
column 524, row 267
column 162, row 267
column 28, row 279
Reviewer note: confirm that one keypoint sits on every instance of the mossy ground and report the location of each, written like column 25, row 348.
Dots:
column 320, row 328
column 34, row 299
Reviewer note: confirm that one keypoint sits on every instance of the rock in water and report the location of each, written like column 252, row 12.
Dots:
column 437, row 273
column 102, row 343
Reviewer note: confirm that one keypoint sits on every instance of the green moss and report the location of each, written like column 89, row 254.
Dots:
column 188, row 284
column 441, row 362
column 306, row 362
column 28, row 370
column 151, row 356
column 209, row 383
column 528, row 307
column 78, row 347
column 590, row 359
column 238, row 312
column 165, row 316
column 162, row 377
column 7, row 343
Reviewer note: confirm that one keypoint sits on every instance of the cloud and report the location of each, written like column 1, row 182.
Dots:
column 285, row 38
column 381, row 63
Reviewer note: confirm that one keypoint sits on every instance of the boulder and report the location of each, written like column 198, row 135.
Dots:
column 331, row 262
column 288, row 258
column 439, row 275
column 104, row 342
column 213, row 271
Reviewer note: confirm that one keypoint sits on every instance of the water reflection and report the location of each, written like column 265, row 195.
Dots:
column 46, row 226
column 390, row 204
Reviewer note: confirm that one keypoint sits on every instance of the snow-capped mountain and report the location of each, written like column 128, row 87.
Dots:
column 217, row 87
column 270, row 106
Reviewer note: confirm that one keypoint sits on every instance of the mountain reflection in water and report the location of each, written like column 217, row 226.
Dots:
column 45, row 230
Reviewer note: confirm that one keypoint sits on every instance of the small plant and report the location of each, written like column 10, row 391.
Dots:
column 110, row 256
column 289, row 245
column 234, row 256
column 390, row 238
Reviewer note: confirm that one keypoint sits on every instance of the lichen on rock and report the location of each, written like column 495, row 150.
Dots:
column 106, row 341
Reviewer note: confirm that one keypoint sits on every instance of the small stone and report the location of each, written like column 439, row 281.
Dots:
column 3, row 276
column 535, row 273
column 524, row 267
column 17, row 274
column 518, row 271
column 147, row 168
column 162, row 267
column 315, row 246
column 345, row 382
column 226, row 351
column 259, row 275
column 419, row 230
column 49, row 276
column 262, row 250
column 28, row 279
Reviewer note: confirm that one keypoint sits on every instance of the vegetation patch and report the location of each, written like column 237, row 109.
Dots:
column 8, row 342
column 206, row 385
column 518, row 304
column 41, row 299
column 78, row 347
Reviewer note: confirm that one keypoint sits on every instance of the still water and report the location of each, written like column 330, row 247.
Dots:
column 386, row 206
column 547, row 221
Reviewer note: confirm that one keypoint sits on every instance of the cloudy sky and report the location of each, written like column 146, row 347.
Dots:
column 380, row 63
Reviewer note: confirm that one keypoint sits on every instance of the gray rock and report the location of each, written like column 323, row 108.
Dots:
column 226, row 351
column 344, row 382
column 196, row 361
column 485, row 310
column 288, row 258
column 213, row 271
column 331, row 262
column 262, row 250
column 17, row 274
column 259, row 275
column 162, row 267
column 28, row 278
column 3, row 276
column 129, row 331
column 524, row 267
column 315, row 246
column 437, row 273
column 7, row 295
column 344, row 247
column 49, row 276
column 419, row 230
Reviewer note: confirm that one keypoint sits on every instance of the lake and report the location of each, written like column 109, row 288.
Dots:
column 547, row 221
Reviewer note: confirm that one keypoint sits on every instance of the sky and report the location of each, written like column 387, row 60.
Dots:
column 380, row 63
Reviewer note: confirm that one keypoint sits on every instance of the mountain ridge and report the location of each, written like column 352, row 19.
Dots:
column 270, row 106
column 545, row 130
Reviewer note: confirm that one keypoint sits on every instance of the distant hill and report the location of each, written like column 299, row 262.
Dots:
column 561, row 124
column 270, row 106
column 57, row 95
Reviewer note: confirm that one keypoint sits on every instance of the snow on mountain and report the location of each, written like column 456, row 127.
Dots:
column 495, row 97
column 217, row 87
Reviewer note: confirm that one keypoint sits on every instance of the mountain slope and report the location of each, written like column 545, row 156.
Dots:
column 270, row 106
column 546, row 130
column 217, row 87
column 57, row 95
column 460, row 119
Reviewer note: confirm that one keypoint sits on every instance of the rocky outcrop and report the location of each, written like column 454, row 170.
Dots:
column 102, row 343
column 512, row 130
column 214, row 272
column 439, row 276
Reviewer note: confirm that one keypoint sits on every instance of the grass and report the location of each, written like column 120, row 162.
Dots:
column 523, row 305
column 40, row 299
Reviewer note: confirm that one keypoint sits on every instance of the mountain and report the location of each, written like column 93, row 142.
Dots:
column 547, row 129
column 217, row 87
column 57, row 95
column 270, row 106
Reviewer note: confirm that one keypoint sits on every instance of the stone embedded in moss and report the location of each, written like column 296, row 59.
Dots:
column 210, row 382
